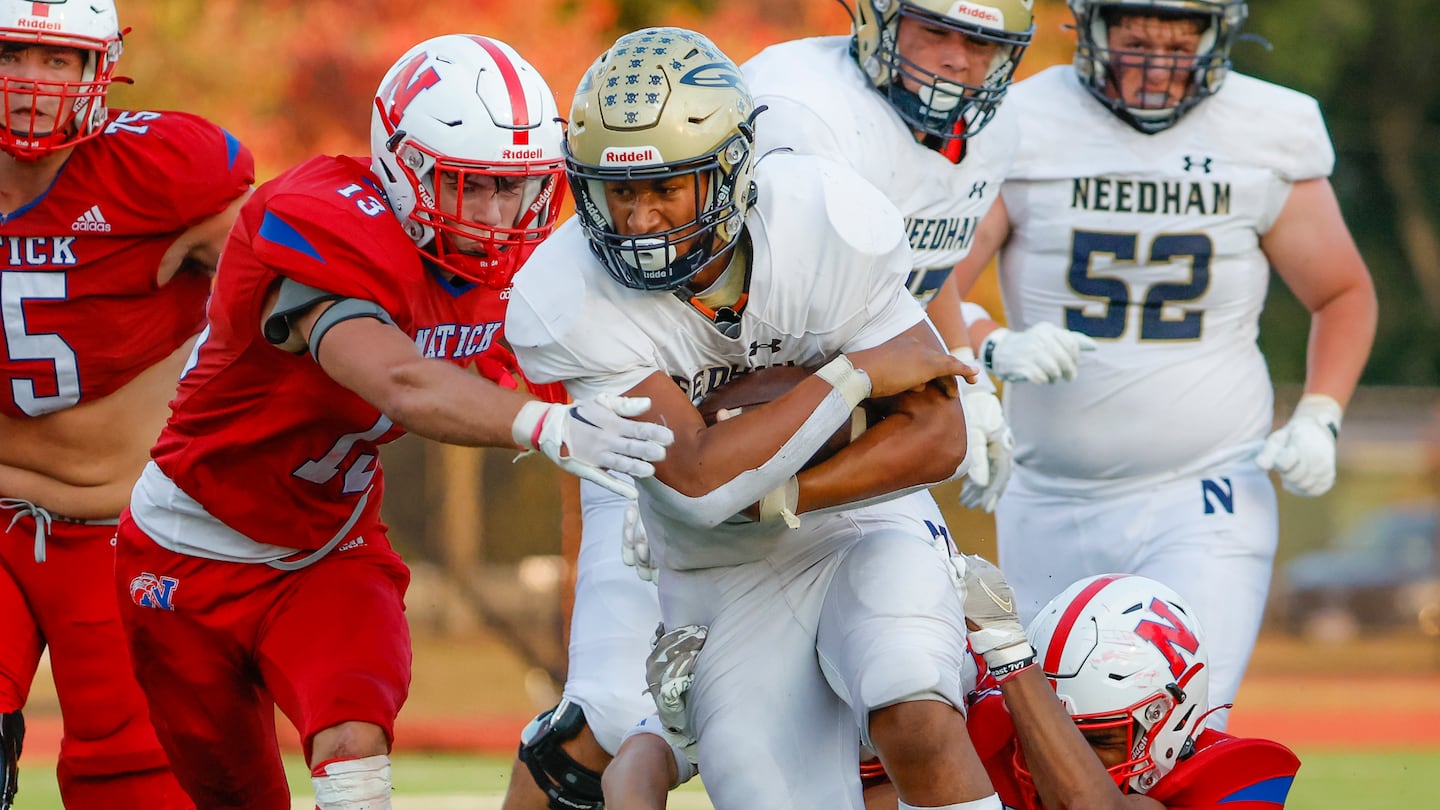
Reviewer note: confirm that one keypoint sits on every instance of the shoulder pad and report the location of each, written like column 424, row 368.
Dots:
column 1238, row 773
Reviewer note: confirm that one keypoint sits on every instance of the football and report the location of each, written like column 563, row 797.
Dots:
column 766, row 384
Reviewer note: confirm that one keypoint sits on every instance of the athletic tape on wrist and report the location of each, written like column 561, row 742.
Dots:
column 779, row 504
column 852, row 383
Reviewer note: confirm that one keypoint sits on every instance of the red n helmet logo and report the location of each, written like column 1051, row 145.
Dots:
column 1168, row 637
column 406, row 86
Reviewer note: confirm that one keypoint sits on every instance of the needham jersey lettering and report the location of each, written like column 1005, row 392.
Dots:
column 1124, row 196
column 1150, row 244
column 87, row 253
column 820, row 103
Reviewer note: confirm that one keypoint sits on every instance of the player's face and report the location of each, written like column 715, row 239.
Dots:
column 640, row 207
column 474, row 200
column 948, row 54
column 1111, row 745
column 33, row 75
column 1151, row 59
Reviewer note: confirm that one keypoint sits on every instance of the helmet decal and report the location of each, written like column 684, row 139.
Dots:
column 1169, row 637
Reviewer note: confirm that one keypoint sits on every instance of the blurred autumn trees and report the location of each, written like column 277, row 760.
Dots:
column 294, row 78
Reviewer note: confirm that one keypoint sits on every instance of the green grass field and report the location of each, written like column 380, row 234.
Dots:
column 1328, row 780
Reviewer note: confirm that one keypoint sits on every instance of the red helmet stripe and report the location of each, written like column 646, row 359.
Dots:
column 1068, row 618
column 40, row 9
column 511, row 76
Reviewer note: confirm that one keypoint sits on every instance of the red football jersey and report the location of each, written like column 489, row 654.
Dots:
column 82, row 313
column 264, row 439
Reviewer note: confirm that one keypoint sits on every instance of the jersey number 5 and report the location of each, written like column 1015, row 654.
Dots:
column 1154, row 325
column 45, row 347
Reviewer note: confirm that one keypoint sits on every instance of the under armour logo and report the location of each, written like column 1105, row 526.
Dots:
column 978, row 189
column 1192, row 164
column 772, row 347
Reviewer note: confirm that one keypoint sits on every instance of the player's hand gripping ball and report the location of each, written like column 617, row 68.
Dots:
column 753, row 389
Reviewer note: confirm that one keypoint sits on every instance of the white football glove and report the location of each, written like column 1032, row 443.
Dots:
column 1303, row 451
column 635, row 544
column 989, row 470
column 670, row 671
column 995, row 631
column 588, row 437
column 1044, row 353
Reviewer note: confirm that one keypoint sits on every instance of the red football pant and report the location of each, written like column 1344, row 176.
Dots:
column 109, row 756
column 218, row 645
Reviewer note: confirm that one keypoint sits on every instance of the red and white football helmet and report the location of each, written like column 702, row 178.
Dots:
column 469, row 106
column 1124, row 651
column 90, row 26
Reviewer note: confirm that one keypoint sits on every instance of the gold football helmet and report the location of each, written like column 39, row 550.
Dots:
column 1202, row 73
column 944, row 110
column 662, row 103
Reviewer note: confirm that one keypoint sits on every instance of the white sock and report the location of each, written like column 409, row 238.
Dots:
column 354, row 784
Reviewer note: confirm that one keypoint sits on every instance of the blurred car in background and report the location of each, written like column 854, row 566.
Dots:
column 1384, row 573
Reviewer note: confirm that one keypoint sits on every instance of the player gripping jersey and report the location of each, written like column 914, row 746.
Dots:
column 354, row 295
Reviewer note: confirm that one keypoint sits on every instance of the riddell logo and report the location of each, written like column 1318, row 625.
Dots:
column 636, row 155
column 522, row 154
column 39, row 25
column 980, row 14
column 91, row 220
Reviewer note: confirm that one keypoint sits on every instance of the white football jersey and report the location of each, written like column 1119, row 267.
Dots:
column 826, row 278
column 1150, row 244
column 820, row 103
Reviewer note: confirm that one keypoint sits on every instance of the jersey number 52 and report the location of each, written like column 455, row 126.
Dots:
column 1117, row 294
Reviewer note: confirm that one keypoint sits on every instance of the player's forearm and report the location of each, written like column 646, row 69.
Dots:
column 944, row 311
column 1066, row 771
column 1342, row 332
column 434, row 399
column 908, row 449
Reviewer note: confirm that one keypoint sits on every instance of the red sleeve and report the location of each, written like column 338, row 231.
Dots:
column 193, row 166
column 321, row 239
column 1229, row 773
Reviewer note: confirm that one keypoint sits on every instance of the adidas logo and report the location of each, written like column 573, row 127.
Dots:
column 91, row 220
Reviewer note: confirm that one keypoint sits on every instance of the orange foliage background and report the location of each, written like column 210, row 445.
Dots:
column 294, row 79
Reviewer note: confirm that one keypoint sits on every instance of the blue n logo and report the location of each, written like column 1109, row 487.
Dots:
column 1215, row 496
column 148, row 590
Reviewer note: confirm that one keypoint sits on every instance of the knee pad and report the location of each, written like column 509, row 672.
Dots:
column 353, row 784
column 12, row 739
column 567, row 784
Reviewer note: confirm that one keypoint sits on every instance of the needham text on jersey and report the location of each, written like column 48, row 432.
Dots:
column 1149, row 196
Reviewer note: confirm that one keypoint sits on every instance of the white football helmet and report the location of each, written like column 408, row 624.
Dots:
column 1124, row 651
column 469, row 107
column 90, row 26
column 1204, row 72
column 946, row 111
column 662, row 103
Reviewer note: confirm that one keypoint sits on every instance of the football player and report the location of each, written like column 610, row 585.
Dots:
column 1153, row 192
column 857, row 100
column 689, row 261
column 252, row 567
column 110, row 224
